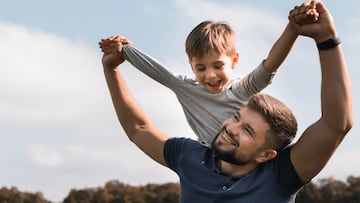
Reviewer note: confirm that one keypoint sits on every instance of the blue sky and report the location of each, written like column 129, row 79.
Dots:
column 57, row 124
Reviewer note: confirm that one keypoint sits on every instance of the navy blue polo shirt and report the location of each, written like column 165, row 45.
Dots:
column 202, row 181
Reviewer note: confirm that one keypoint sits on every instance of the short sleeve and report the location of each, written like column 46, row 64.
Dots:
column 287, row 173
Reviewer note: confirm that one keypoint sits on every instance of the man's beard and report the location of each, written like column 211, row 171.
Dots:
column 227, row 156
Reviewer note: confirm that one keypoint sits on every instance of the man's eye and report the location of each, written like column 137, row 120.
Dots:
column 236, row 118
column 249, row 131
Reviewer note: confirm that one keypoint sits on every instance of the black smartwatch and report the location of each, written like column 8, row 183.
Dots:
column 328, row 44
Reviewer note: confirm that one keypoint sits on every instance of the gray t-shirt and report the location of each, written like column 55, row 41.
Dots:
column 204, row 111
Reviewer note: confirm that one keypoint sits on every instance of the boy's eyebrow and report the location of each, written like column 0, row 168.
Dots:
column 219, row 61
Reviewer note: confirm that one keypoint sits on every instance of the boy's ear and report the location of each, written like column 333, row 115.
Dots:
column 266, row 155
column 235, row 59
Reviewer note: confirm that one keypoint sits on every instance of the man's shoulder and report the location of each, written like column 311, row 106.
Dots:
column 178, row 150
column 181, row 147
column 183, row 142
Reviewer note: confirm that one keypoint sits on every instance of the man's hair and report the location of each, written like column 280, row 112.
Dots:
column 210, row 36
column 283, row 124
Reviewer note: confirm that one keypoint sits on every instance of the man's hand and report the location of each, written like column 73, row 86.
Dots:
column 112, row 49
column 321, row 30
column 305, row 13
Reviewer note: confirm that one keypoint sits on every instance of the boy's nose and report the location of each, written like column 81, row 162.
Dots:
column 210, row 74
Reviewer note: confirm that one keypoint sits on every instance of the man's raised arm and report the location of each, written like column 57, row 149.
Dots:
column 319, row 141
column 134, row 121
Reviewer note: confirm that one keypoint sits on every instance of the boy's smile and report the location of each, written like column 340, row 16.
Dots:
column 213, row 71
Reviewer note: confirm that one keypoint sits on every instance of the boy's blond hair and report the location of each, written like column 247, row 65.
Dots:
column 210, row 36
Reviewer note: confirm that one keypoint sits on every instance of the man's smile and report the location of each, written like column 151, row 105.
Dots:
column 228, row 139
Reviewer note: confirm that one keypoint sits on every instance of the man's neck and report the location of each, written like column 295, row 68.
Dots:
column 237, row 170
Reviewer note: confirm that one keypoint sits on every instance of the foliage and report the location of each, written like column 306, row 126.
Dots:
column 117, row 192
column 330, row 190
column 12, row 195
column 326, row 190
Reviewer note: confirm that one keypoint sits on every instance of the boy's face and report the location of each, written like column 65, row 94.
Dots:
column 213, row 71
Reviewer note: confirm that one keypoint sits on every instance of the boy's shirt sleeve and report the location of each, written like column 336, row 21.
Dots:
column 252, row 83
column 151, row 67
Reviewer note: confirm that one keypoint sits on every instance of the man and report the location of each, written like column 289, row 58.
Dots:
column 249, row 160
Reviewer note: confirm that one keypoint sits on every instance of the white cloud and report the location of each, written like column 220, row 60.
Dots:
column 57, row 119
column 44, row 78
column 342, row 165
column 244, row 18
column 45, row 156
column 83, row 166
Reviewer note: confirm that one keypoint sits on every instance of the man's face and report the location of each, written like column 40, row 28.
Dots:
column 213, row 71
column 242, row 138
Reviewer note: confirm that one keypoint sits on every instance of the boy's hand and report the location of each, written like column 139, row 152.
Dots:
column 305, row 13
column 320, row 31
column 112, row 49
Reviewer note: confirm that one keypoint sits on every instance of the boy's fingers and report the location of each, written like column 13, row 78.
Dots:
column 313, row 5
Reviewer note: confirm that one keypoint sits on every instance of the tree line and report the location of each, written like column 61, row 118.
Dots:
column 328, row 190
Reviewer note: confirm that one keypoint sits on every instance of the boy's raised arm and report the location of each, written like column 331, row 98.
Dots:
column 283, row 45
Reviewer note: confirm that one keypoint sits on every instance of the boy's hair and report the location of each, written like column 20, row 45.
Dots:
column 210, row 36
column 283, row 124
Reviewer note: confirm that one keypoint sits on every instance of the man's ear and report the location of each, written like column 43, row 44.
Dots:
column 266, row 155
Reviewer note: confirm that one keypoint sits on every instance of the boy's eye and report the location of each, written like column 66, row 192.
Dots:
column 219, row 66
column 200, row 68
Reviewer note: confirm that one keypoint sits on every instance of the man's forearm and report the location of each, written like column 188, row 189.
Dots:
column 127, row 110
column 336, row 90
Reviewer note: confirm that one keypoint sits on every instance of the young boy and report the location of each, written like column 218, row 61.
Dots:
column 212, row 96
